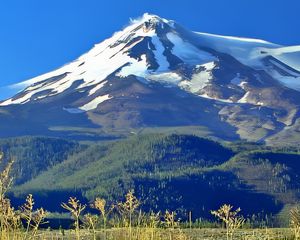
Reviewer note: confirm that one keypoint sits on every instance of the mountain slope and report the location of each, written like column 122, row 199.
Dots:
column 33, row 155
column 157, row 73
column 178, row 172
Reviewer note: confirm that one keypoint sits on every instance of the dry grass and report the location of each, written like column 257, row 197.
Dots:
column 33, row 218
column 75, row 208
column 231, row 219
column 164, row 234
column 295, row 222
column 125, row 221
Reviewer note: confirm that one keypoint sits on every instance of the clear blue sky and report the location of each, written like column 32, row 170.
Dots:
column 41, row 35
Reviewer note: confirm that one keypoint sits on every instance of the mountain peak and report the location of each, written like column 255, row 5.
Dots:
column 150, row 17
column 152, row 22
column 156, row 50
column 154, row 68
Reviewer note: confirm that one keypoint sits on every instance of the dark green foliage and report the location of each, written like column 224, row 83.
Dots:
column 33, row 155
column 202, row 192
column 108, row 169
column 181, row 172
column 276, row 173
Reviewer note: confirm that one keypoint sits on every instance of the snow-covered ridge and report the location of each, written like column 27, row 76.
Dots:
column 158, row 43
column 92, row 67
column 233, row 38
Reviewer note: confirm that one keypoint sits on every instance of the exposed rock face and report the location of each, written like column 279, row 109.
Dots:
column 157, row 73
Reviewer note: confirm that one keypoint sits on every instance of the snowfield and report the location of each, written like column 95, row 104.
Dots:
column 112, row 56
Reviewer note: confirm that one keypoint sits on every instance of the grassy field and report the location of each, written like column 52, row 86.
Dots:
column 169, row 234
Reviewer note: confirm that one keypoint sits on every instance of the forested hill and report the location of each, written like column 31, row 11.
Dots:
column 178, row 172
column 33, row 155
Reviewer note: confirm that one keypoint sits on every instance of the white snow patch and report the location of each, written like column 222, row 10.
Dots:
column 282, row 67
column 243, row 84
column 159, row 54
column 260, row 103
column 289, row 55
column 216, row 99
column 284, row 50
column 6, row 102
column 167, row 77
column 187, row 52
column 199, row 80
column 147, row 17
column 97, row 87
column 41, row 97
column 244, row 98
column 138, row 68
column 95, row 102
column 73, row 110
column 246, row 50
column 288, row 81
column 232, row 38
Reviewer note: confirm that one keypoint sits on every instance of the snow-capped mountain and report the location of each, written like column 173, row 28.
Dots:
column 157, row 73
